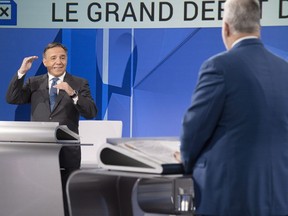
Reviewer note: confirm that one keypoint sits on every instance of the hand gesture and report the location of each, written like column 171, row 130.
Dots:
column 27, row 64
column 66, row 87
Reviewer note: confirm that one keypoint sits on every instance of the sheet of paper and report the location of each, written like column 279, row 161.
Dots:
column 162, row 151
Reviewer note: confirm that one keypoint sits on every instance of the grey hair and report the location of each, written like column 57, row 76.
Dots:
column 243, row 16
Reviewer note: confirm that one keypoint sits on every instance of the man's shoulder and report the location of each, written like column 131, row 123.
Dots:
column 219, row 56
column 217, row 59
column 38, row 77
column 75, row 78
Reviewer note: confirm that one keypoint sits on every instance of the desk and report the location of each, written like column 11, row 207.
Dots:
column 102, row 192
column 30, row 182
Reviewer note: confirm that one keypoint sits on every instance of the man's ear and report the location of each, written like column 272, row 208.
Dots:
column 226, row 35
column 44, row 61
column 226, row 30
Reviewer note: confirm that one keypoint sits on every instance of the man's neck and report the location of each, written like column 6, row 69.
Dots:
column 244, row 38
column 236, row 38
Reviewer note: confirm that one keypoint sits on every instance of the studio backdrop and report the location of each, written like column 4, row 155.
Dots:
column 141, row 57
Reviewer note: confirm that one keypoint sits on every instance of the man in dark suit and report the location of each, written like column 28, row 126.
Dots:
column 235, row 133
column 72, row 98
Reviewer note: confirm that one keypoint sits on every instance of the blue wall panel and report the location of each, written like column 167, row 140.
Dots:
column 149, row 74
column 82, row 59
column 163, row 95
column 120, row 76
column 15, row 45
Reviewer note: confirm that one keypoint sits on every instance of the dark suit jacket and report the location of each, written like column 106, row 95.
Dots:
column 36, row 92
column 235, row 133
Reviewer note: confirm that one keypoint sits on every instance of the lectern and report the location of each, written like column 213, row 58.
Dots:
column 134, row 177
column 30, row 181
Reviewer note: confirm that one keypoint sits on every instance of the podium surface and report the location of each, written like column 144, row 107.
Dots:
column 30, row 183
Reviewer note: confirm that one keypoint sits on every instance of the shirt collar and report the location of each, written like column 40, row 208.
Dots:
column 61, row 78
column 243, row 38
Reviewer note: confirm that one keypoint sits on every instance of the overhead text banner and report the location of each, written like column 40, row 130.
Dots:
column 127, row 14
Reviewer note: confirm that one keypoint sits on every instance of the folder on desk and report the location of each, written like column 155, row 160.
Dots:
column 148, row 155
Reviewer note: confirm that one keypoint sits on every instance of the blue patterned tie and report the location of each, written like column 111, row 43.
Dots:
column 53, row 93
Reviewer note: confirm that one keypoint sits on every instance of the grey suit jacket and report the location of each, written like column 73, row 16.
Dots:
column 36, row 92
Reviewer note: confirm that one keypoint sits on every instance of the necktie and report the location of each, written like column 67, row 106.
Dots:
column 53, row 93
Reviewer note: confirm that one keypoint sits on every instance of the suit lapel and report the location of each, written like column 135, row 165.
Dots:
column 44, row 88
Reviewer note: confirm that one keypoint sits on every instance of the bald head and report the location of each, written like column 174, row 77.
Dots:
column 241, row 18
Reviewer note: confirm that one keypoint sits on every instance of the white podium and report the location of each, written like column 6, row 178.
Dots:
column 94, row 133
column 30, row 182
